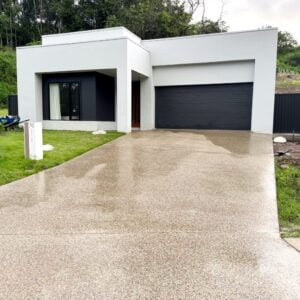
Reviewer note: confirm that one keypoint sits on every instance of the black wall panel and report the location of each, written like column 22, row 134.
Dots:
column 287, row 113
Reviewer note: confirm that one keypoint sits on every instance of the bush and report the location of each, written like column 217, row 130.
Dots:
column 8, row 82
column 289, row 61
column 5, row 90
column 293, row 59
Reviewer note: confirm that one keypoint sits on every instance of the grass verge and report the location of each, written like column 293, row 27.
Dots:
column 67, row 145
column 288, row 194
column 3, row 112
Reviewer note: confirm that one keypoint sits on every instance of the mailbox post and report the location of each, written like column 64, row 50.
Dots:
column 33, row 140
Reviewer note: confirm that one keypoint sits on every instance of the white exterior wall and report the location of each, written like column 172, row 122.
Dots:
column 33, row 61
column 79, row 125
column 259, row 46
column 79, row 57
column 212, row 73
column 206, row 59
column 140, row 62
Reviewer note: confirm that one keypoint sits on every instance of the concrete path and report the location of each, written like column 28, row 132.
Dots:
column 161, row 214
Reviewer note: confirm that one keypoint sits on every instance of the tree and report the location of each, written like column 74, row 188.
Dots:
column 285, row 41
column 206, row 25
column 153, row 19
column 9, row 11
column 7, row 74
column 25, row 21
column 209, row 26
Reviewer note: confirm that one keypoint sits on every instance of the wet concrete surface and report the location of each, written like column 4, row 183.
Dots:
column 160, row 214
column 294, row 242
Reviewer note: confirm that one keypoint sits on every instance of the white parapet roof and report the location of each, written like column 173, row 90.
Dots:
column 89, row 36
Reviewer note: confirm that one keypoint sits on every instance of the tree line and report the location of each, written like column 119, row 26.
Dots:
column 24, row 21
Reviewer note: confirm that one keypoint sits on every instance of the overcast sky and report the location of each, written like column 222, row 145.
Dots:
column 251, row 14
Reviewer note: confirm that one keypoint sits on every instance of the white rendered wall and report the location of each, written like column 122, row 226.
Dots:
column 140, row 61
column 259, row 46
column 80, row 57
column 224, row 56
column 212, row 73
column 33, row 61
column 147, row 104
column 89, row 36
column 79, row 125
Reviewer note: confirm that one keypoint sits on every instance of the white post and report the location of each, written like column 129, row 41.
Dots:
column 33, row 140
column 147, row 104
column 124, row 99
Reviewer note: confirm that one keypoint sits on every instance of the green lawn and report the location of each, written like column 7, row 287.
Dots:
column 67, row 144
column 3, row 112
column 288, row 194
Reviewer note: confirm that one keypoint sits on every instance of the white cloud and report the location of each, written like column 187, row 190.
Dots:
column 252, row 14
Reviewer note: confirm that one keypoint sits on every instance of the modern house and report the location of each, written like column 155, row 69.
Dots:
column 111, row 79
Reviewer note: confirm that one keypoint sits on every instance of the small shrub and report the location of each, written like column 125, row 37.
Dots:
column 8, row 82
column 293, row 59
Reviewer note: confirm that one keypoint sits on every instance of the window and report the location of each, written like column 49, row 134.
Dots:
column 64, row 101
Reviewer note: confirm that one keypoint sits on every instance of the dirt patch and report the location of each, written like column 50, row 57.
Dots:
column 288, row 153
column 287, row 76
column 287, row 83
column 288, row 89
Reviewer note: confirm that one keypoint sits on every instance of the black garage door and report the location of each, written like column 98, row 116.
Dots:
column 220, row 106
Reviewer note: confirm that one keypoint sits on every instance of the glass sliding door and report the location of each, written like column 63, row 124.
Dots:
column 64, row 101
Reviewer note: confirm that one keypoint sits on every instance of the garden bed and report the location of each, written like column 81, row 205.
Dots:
column 287, row 157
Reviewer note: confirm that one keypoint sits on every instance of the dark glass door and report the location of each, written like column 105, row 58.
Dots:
column 64, row 100
column 74, row 101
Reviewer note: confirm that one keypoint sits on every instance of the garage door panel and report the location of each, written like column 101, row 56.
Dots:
column 226, row 106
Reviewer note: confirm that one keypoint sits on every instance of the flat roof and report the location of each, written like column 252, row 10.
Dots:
column 90, row 35
column 212, row 34
column 126, row 34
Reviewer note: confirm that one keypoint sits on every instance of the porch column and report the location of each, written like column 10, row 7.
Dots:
column 264, row 94
column 124, row 99
column 147, row 104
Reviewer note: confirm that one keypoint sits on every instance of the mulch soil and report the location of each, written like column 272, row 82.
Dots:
column 288, row 152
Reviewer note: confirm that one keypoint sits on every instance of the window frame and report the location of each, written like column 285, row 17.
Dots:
column 69, row 94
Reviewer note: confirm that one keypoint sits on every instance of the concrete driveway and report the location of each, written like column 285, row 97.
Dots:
column 156, row 214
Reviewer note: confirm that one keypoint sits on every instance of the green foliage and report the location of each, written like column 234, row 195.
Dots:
column 22, row 22
column 293, row 58
column 34, row 43
column 209, row 26
column 67, row 145
column 154, row 19
column 286, row 41
column 7, row 74
column 289, row 60
column 3, row 112
column 288, row 193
